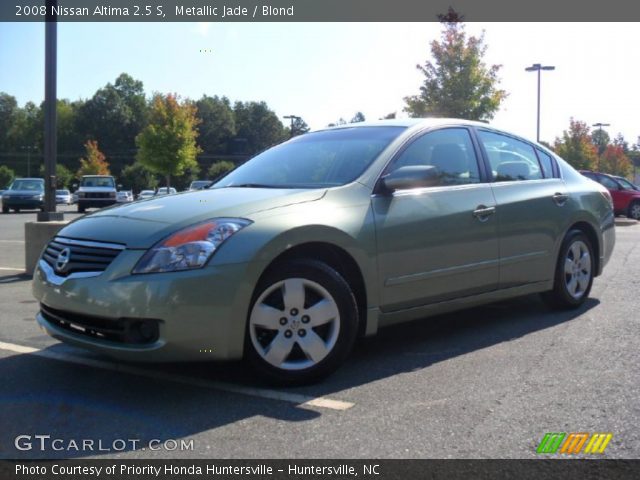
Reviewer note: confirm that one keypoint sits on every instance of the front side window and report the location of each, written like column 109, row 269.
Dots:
column 608, row 183
column 321, row 159
column 449, row 150
column 626, row 185
column 510, row 159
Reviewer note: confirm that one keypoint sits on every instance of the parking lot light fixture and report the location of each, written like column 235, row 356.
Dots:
column 537, row 67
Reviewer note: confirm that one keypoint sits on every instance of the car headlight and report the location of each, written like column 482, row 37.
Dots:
column 189, row 248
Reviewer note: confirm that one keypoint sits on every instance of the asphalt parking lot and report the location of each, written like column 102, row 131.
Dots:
column 486, row 382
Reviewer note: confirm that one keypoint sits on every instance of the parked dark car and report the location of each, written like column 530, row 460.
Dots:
column 24, row 194
column 626, row 196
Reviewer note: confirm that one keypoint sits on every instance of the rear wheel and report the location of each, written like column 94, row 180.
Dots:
column 574, row 272
column 634, row 210
column 302, row 323
column 5, row 209
column 80, row 209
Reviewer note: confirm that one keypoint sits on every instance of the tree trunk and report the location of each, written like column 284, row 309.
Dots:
column 168, row 183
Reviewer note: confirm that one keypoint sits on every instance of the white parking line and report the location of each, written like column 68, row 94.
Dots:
column 12, row 269
column 11, row 241
column 300, row 400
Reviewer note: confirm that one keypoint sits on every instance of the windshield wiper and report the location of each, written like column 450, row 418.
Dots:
column 253, row 185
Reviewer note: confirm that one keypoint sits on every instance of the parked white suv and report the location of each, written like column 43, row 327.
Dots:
column 96, row 191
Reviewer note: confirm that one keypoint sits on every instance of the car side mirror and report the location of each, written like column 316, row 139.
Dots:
column 415, row 176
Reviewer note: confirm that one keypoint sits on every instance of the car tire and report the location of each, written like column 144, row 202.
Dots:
column 5, row 209
column 574, row 272
column 17, row 210
column 80, row 209
column 302, row 323
column 634, row 210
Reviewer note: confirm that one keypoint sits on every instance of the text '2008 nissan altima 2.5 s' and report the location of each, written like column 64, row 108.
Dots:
column 331, row 235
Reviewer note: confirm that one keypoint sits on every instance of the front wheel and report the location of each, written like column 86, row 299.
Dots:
column 574, row 272
column 80, row 209
column 634, row 210
column 302, row 323
column 5, row 209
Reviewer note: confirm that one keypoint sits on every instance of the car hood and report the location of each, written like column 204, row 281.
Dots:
column 143, row 223
column 9, row 193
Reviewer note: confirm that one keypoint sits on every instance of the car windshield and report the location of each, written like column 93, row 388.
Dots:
column 322, row 159
column 28, row 185
column 98, row 182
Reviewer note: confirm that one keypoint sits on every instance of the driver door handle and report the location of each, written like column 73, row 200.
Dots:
column 560, row 198
column 482, row 212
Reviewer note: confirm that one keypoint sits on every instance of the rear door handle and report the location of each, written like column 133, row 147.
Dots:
column 560, row 198
column 482, row 212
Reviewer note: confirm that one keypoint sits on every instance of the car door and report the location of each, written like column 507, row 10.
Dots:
column 531, row 206
column 440, row 242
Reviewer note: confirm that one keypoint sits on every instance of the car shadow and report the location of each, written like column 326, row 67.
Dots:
column 71, row 401
column 15, row 278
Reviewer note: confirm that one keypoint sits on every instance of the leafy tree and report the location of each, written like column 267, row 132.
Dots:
column 299, row 127
column 137, row 177
column 600, row 139
column 219, row 168
column 258, row 126
column 6, row 176
column 615, row 162
column 389, row 116
column 64, row 176
column 94, row 163
column 8, row 108
column 167, row 145
column 217, row 124
column 358, row 117
column 341, row 121
column 457, row 82
column 619, row 141
column 114, row 115
column 576, row 146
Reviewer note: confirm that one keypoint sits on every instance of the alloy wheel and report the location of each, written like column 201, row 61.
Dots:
column 577, row 269
column 294, row 324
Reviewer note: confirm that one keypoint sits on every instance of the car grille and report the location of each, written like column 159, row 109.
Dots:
column 96, row 195
column 122, row 330
column 82, row 255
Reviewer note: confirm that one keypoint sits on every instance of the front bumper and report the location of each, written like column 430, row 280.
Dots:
column 201, row 314
column 96, row 202
column 22, row 203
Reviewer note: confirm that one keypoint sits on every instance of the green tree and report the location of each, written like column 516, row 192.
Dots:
column 167, row 145
column 219, row 168
column 8, row 110
column 114, row 115
column 64, row 176
column 257, row 126
column 358, row 117
column 299, row 127
column 457, row 82
column 217, row 125
column 576, row 146
column 137, row 177
column 389, row 116
column 94, row 163
column 600, row 139
column 6, row 176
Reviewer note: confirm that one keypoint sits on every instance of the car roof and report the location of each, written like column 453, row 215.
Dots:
column 408, row 122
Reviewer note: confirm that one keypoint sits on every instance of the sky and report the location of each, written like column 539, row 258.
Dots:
column 324, row 71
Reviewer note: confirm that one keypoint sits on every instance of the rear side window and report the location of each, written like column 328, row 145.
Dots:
column 546, row 162
column 449, row 150
column 510, row 159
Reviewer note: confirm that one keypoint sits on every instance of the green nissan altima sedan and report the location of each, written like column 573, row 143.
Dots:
column 291, row 257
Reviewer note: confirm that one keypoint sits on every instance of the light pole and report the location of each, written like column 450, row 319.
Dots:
column 293, row 118
column 29, row 149
column 537, row 67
